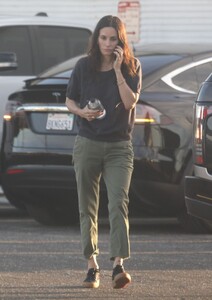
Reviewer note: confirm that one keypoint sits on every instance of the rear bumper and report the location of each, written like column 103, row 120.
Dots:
column 198, row 197
column 42, row 177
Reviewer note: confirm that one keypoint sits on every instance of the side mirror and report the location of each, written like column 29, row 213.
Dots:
column 8, row 61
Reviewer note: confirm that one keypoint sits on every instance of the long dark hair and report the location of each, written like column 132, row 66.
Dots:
column 94, row 53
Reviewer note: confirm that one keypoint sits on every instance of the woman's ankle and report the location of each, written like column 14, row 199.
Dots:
column 118, row 261
column 92, row 263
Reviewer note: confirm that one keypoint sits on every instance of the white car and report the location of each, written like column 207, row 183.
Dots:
column 39, row 42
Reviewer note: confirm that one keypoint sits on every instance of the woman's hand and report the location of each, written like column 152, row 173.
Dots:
column 90, row 114
column 85, row 112
column 119, row 58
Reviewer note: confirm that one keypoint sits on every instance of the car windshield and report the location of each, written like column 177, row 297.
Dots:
column 150, row 64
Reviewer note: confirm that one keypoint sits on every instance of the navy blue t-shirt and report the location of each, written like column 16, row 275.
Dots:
column 118, row 123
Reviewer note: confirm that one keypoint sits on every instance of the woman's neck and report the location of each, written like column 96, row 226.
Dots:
column 106, row 64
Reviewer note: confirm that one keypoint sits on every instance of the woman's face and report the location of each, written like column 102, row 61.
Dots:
column 107, row 40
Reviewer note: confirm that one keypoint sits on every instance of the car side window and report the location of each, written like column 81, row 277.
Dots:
column 16, row 39
column 57, row 44
column 203, row 71
column 187, row 80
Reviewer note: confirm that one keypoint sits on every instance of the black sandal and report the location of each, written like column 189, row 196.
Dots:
column 92, row 279
column 120, row 278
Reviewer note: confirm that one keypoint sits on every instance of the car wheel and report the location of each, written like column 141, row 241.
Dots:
column 208, row 225
column 14, row 199
column 192, row 224
column 52, row 208
column 53, row 216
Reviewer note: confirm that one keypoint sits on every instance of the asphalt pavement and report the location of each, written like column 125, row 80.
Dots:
column 41, row 262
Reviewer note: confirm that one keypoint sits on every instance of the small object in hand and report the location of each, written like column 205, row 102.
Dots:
column 96, row 104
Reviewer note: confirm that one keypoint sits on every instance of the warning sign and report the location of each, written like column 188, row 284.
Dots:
column 129, row 13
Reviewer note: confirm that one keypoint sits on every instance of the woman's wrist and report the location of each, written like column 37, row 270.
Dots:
column 77, row 111
column 120, row 82
column 119, row 78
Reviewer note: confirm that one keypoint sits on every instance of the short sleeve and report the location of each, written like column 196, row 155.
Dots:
column 73, row 91
column 135, row 82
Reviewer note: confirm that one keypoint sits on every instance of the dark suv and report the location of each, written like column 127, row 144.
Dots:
column 198, row 188
column 39, row 133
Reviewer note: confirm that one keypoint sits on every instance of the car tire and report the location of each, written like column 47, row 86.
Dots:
column 208, row 224
column 188, row 222
column 14, row 199
column 51, row 208
column 52, row 216
column 192, row 224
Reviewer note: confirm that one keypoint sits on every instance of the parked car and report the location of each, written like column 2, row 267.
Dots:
column 39, row 133
column 39, row 42
column 198, row 188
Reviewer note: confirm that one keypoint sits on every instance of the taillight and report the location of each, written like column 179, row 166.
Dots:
column 7, row 117
column 14, row 171
column 200, row 114
column 148, row 114
column 10, row 109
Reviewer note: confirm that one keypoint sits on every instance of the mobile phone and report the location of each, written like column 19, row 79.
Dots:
column 120, row 44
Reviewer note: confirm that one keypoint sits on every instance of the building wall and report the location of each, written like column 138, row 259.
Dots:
column 160, row 20
column 177, row 20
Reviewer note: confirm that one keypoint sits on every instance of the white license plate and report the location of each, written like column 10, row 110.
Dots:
column 57, row 121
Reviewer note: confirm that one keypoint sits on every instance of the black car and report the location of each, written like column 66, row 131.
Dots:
column 198, row 188
column 39, row 132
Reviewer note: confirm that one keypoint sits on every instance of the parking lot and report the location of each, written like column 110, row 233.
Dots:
column 39, row 262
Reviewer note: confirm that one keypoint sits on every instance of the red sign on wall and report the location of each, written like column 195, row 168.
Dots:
column 129, row 13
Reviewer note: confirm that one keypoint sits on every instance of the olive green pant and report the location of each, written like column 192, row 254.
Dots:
column 114, row 162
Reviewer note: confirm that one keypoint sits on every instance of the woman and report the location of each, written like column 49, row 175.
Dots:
column 103, row 146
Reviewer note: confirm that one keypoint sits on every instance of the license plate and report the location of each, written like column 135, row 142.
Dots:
column 57, row 121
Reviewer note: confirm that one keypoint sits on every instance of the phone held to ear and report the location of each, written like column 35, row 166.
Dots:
column 115, row 52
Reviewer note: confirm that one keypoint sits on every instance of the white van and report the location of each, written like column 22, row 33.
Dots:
column 39, row 42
